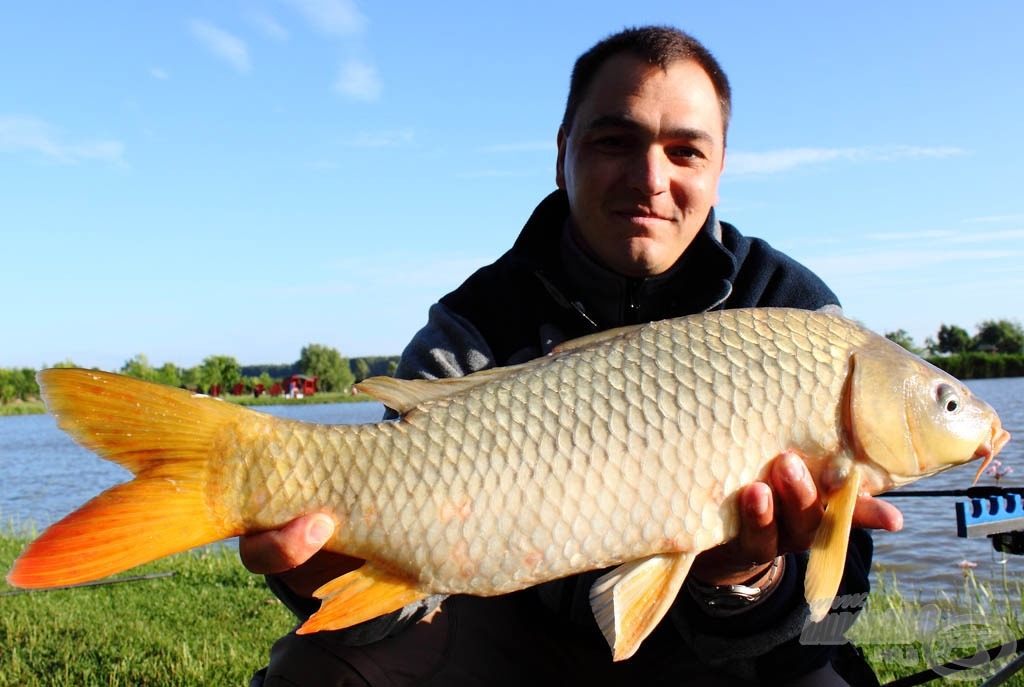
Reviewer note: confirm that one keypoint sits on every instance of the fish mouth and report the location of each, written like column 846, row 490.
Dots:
column 988, row 450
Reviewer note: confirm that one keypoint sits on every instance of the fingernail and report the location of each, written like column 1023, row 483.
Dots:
column 760, row 502
column 794, row 470
column 897, row 523
column 320, row 531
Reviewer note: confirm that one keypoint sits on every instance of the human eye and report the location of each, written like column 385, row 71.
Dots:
column 611, row 141
column 684, row 152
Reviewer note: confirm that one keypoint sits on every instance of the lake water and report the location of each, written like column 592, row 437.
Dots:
column 45, row 476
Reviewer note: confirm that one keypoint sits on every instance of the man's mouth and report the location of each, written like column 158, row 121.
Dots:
column 641, row 214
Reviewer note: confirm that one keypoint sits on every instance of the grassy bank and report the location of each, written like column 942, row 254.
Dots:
column 37, row 407
column 212, row 623
column 319, row 397
column 22, row 408
column 903, row 635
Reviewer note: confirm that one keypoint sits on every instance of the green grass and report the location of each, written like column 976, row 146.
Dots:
column 902, row 635
column 212, row 623
column 319, row 397
column 22, row 408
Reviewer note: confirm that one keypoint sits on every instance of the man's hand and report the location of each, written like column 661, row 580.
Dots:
column 294, row 553
column 778, row 518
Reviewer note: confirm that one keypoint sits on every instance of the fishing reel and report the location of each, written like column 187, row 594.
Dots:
column 1008, row 542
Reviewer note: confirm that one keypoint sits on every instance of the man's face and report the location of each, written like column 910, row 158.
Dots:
column 641, row 162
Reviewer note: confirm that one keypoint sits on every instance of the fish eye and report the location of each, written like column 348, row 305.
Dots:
column 948, row 398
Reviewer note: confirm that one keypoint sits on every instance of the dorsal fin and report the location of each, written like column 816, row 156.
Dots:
column 595, row 338
column 402, row 395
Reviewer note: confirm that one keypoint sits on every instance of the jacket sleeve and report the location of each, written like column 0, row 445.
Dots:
column 447, row 346
column 773, row 640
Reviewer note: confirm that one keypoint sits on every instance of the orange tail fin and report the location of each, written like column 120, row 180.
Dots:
column 167, row 438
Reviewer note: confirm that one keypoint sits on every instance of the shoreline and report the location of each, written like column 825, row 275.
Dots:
column 37, row 408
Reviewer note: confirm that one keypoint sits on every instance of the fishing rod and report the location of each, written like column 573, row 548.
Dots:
column 993, row 512
column 991, row 653
column 979, row 492
column 92, row 583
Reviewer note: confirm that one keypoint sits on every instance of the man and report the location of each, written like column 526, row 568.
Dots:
column 629, row 236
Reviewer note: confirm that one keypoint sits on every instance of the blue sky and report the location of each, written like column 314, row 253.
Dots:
column 247, row 177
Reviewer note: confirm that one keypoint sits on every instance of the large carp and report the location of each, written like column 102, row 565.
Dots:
column 624, row 449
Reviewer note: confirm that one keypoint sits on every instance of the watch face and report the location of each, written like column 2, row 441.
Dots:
column 733, row 596
column 726, row 599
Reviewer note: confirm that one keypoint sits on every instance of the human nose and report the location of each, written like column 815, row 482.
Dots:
column 649, row 171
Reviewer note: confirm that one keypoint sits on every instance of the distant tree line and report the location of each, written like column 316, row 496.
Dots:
column 995, row 350
column 334, row 373
column 17, row 385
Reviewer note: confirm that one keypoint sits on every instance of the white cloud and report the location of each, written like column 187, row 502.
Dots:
column 774, row 161
column 996, row 219
column 937, row 237
column 35, row 135
column 903, row 151
column 380, row 139
column 520, row 147
column 222, row 44
column 269, row 26
column 358, row 81
column 925, row 235
column 158, row 73
column 874, row 264
column 334, row 17
column 493, row 174
column 404, row 270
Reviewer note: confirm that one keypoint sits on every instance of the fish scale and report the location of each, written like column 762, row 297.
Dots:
column 656, row 452
column 626, row 448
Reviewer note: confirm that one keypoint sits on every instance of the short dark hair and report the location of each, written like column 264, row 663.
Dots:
column 657, row 45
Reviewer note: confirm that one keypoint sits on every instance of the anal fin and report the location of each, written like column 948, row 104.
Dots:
column 629, row 601
column 360, row 595
column 828, row 551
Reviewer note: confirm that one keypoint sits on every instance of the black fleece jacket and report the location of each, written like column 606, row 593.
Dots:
column 546, row 290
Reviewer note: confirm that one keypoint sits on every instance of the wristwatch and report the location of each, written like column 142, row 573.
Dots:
column 728, row 599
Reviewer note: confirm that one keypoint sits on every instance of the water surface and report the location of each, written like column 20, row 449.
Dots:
column 45, row 476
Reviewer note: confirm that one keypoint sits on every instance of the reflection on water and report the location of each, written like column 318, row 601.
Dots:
column 45, row 476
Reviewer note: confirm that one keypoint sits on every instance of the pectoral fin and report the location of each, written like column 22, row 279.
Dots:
column 360, row 595
column 828, row 552
column 629, row 601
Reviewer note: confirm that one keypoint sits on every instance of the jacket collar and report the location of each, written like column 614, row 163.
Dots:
column 700, row 280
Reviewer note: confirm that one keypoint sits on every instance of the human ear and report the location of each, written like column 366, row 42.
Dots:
column 560, row 159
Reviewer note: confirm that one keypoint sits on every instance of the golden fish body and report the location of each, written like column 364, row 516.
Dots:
column 589, row 458
column 627, row 447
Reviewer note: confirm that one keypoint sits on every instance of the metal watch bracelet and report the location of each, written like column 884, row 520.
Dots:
column 729, row 599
